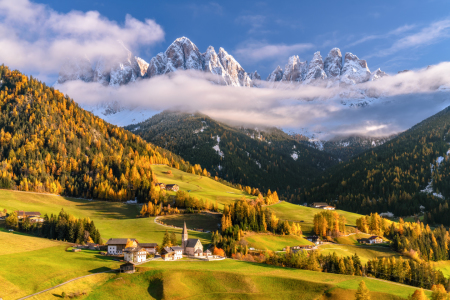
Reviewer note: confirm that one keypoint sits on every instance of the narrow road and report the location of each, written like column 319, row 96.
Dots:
column 74, row 279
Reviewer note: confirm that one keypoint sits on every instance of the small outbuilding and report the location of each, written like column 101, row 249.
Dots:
column 172, row 187
column 128, row 267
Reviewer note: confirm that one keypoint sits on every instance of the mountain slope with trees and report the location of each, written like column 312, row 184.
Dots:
column 269, row 159
column 49, row 144
column 391, row 176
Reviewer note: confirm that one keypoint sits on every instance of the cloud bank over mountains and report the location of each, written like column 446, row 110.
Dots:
column 36, row 39
column 376, row 108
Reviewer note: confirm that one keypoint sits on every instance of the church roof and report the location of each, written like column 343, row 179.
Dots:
column 191, row 243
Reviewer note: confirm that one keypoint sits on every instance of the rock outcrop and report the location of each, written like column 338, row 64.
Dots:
column 315, row 69
column 76, row 69
column 295, row 70
column 355, row 70
column 276, row 75
column 333, row 63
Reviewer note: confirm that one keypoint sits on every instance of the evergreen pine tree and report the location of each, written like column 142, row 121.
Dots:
column 363, row 292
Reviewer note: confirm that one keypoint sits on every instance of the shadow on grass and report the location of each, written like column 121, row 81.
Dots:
column 101, row 269
column 156, row 288
column 106, row 209
column 57, row 296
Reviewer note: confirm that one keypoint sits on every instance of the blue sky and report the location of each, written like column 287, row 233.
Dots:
column 391, row 35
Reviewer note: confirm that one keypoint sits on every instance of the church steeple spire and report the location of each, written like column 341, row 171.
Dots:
column 184, row 237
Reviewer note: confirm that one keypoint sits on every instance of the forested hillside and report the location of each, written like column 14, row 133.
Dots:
column 49, row 144
column 391, row 176
column 268, row 159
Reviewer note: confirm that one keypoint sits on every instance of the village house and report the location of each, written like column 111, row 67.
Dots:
column 298, row 248
column 172, row 253
column 116, row 246
column 161, row 185
column 374, row 239
column 319, row 204
column 36, row 220
column 149, row 247
column 27, row 214
column 172, row 187
column 329, row 207
column 314, row 239
column 192, row 247
column 134, row 254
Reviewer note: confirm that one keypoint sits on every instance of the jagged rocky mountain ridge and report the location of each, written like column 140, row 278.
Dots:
column 182, row 54
column 350, row 72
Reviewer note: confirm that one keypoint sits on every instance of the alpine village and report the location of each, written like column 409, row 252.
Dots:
column 182, row 176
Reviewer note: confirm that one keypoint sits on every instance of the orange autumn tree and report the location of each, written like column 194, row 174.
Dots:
column 218, row 252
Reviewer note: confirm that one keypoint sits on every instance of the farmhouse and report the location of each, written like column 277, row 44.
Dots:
column 172, row 253
column 135, row 254
column 116, row 246
column 319, row 204
column 27, row 214
column 192, row 247
column 314, row 239
column 172, row 187
column 161, row 185
column 298, row 248
column 36, row 220
column 329, row 207
column 374, row 239
column 149, row 247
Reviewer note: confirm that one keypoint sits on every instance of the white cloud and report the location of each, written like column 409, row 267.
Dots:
column 251, row 52
column 434, row 33
column 397, row 31
column 399, row 101
column 35, row 38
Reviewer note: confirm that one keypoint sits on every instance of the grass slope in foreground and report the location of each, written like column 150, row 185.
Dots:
column 199, row 186
column 231, row 279
column 112, row 219
column 31, row 264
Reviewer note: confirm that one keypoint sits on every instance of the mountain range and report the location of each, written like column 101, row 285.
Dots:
column 182, row 54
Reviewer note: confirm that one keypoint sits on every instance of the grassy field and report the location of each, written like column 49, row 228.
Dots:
column 205, row 221
column 232, row 279
column 114, row 220
column 364, row 252
column 274, row 242
column 444, row 266
column 305, row 215
column 199, row 186
column 32, row 264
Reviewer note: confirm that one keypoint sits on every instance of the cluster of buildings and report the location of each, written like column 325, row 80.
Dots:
column 168, row 187
column 374, row 239
column 33, row 216
column 134, row 252
column 322, row 205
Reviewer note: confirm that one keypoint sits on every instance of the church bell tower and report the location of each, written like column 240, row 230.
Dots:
column 184, row 238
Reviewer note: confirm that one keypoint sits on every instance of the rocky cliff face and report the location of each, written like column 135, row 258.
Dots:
column 377, row 75
column 355, row 70
column 333, row 63
column 276, row 75
column 315, row 69
column 295, row 70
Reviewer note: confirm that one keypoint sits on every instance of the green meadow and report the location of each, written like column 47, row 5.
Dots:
column 199, row 186
column 274, row 242
column 230, row 279
column 113, row 219
column 365, row 253
column 305, row 215
column 31, row 264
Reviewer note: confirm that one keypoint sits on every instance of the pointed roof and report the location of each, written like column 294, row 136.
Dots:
column 184, row 229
